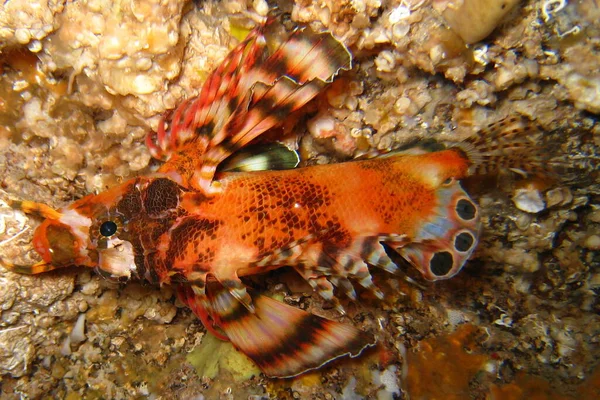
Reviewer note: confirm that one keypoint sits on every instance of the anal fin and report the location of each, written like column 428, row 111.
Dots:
column 349, row 263
column 323, row 285
column 341, row 267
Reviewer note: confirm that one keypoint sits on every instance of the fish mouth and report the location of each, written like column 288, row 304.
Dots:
column 34, row 269
column 40, row 210
column 44, row 243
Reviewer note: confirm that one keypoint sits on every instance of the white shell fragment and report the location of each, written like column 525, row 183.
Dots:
column 529, row 200
column 78, row 332
column 532, row 200
column 65, row 348
column 559, row 197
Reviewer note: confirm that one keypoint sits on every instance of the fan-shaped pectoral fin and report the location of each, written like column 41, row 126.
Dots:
column 283, row 340
column 195, row 298
column 237, row 289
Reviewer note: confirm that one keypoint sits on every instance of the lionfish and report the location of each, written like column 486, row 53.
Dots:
column 201, row 222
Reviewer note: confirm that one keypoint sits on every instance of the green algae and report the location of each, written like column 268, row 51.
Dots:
column 239, row 32
column 216, row 357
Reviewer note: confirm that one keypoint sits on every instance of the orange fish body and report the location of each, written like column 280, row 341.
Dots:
column 328, row 222
column 308, row 211
column 263, row 220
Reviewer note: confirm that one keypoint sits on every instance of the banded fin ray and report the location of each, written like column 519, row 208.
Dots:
column 253, row 90
column 342, row 267
column 347, row 264
column 198, row 118
column 512, row 143
column 303, row 75
column 282, row 340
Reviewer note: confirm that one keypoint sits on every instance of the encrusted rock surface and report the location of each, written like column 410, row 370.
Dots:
column 82, row 83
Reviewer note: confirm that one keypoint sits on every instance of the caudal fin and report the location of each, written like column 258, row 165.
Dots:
column 513, row 143
column 282, row 340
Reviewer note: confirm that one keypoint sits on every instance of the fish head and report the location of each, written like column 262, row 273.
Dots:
column 90, row 232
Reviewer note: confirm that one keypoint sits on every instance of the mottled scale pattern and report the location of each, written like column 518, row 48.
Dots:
column 161, row 196
column 147, row 208
column 185, row 238
column 130, row 204
column 331, row 229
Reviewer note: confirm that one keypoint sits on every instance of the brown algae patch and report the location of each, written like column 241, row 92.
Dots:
column 532, row 387
column 443, row 367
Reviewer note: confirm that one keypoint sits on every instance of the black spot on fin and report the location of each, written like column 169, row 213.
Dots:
column 441, row 263
column 446, row 239
column 463, row 241
column 261, row 157
column 465, row 209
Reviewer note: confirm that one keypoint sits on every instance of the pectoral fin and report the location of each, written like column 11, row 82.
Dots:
column 282, row 340
column 186, row 295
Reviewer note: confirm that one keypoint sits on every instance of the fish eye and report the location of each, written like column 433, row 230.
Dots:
column 108, row 228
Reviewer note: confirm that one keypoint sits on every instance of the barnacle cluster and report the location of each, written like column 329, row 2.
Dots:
column 82, row 82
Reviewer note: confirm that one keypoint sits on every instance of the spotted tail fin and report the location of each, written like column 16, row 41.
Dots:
column 447, row 238
column 282, row 340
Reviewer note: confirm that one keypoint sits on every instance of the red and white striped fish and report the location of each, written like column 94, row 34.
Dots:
column 200, row 229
